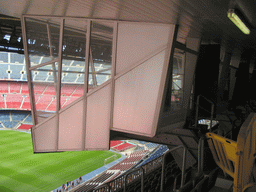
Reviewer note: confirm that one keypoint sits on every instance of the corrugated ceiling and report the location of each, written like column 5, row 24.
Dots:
column 194, row 17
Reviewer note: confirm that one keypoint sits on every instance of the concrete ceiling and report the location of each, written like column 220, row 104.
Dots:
column 195, row 17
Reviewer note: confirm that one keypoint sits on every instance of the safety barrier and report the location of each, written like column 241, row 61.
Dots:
column 236, row 158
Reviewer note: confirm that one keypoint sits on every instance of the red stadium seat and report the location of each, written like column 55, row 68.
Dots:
column 13, row 101
column 15, row 87
column 25, row 126
column 39, row 88
column 3, row 87
column 2, row 105
column 124, row 147
column 67, row 90
column 79, row 91
column 114, row 143
column 50, row 90
column 43, row 102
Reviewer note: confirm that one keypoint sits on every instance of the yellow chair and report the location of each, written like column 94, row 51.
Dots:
column 236, row 158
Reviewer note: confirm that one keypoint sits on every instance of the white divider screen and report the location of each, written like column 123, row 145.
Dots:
column 136, row 96
column 132, row 57
column 98, row 119
column 71, row 127
column 142, row 60
column 137, row 41
column 45, row 135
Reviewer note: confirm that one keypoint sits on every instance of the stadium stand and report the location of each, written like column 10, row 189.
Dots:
column 16, row 69
column 24, row 88
column 4, row 57
column 3, row 86
column 130, row 161
column 114, row 143
column 151, row 145
column 2, row 101
column 4, row 71
column 155, row 154
column 13, row 101
column 12, row 119
column 123, row 147
column 24, row 126
column 40, row 88
column 15, row 87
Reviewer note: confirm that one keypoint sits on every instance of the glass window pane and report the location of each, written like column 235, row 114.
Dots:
column 73, row 62
column 174, row 96
column 44, row 83
column 100, row 53
column 42, row 39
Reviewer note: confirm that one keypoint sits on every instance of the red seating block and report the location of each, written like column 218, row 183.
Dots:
column 50, row 90
column 15, row 87
column 123, row 146
column 114, row 143
column 24, row 89
column 3, row 87
column 79, row 91
column 2, row 105
column 13, row 101
column 67, row 90
column 39, row 88
column 25, row 126
column 43, row 102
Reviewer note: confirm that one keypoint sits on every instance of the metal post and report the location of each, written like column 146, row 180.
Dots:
column 212, row 111
column 197, row 108
column 199, row 156
column 86, row 74
column 101, row 186
column 202, row 155
column 163, row 164
column 183, row 167
column 142, row 179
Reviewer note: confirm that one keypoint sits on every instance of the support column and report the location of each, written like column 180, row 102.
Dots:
column 241, row 90
column 206, row 77
column 224, row 77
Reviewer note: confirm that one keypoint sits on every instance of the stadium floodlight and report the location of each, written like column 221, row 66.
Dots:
column 238, row 21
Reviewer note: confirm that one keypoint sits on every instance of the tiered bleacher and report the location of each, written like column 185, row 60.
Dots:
column 130, row 161
column 14, row 119
column 155, row 154
column 123, row 147
column 115, row 143
column 13, row 68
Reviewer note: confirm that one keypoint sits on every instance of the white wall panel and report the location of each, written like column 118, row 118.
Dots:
column 136, row 96
column 98, row 119
column 70, row 127
column 45, row 135
column 136, row 41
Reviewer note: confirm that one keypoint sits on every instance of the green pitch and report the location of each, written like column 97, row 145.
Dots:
column 22, row 170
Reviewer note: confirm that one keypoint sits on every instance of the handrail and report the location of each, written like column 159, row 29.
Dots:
column 197, row 108
column 183, row 165
column 142, row 178
column 101, row 186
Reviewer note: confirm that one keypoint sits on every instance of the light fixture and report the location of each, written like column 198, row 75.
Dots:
column 238, row 21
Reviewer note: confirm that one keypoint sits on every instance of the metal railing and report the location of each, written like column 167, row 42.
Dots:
column 123, row 181
column 197, row 110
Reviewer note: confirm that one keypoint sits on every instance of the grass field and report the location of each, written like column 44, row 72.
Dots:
column 22, row 170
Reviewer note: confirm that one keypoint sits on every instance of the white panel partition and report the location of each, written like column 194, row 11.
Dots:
column 136, row 41
column 136, row 96
column 70, row 127
column 45, row 135
column 126, row 64
column 98, row 119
